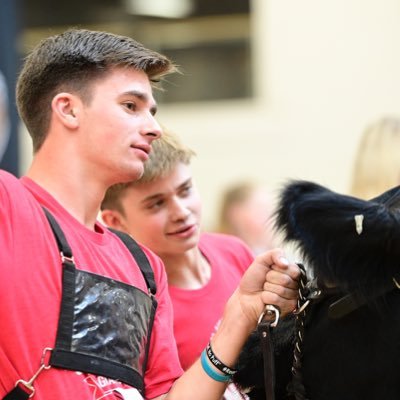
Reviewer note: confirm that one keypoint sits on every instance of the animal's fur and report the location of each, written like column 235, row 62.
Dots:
column 356, row 357
column 321, row 223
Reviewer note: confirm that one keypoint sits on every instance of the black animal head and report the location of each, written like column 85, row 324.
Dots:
column 348, row 242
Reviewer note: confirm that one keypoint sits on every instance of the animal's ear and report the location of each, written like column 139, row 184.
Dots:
column 347, row 241
column 390, row 198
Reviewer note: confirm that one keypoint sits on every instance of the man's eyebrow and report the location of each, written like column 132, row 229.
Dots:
column 156, row 196
column 185, row 183
column 142, row 97
column 152, row 197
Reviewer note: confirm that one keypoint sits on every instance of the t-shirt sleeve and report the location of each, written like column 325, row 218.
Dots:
column 242, row 253
column 163, row 366
column 247, row 254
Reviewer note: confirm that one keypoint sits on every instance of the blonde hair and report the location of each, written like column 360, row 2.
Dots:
column 377, row 162
column 165, row 154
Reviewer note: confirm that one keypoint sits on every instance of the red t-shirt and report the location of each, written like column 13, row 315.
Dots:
column 30, row 294
column 197, row 312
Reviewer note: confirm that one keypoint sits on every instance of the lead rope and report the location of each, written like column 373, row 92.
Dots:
column 296, row 387
column 268, row 319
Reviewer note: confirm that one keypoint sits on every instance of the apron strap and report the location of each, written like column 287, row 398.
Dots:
column 136, row 251
column 140, row 257
column 62, row 243
column 17, row 393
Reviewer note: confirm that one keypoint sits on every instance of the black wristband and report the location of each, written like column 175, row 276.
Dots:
column 218, row 363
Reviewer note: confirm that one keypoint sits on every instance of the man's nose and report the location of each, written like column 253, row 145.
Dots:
column 179, row 210
column 152, row 128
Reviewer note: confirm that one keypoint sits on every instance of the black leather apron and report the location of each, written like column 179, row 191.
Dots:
column 104, row 326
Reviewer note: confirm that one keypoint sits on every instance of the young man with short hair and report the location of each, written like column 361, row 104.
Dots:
column 81, row 317
column 162, row 210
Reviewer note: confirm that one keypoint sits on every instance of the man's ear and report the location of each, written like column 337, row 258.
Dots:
column 113, row 219
column 66, row 107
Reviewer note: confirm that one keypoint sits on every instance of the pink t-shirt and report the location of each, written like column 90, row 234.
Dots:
column 197, row 312
column 30, row 294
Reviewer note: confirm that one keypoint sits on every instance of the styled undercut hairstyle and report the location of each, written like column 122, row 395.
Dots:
column 72, row 62
column 166, row 153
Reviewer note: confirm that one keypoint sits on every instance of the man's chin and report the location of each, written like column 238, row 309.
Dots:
column 132, row 175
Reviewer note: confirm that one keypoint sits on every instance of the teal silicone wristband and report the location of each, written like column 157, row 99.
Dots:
column 208, row 369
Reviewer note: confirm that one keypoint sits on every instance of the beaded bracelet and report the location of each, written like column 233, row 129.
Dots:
column 208, row 369
column 218, row 363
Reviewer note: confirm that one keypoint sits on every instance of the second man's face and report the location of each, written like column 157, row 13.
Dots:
column 164, row 215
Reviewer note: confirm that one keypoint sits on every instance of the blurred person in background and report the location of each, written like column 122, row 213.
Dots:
column 4, row 118
column 246, row 210
column 377, row 161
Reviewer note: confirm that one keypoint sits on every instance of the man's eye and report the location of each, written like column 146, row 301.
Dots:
column 155, row 205
column 130, row 106
column 186, row 190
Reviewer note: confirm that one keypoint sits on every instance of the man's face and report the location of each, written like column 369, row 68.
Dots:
column 165, row 214
column 118, row 126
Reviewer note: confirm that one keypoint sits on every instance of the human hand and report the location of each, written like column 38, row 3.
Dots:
column 270, row 279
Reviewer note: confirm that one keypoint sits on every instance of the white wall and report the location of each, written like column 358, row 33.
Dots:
column 323, row 69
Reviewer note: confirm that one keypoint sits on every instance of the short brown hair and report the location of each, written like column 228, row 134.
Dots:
column 72, row 61
column 166, row 153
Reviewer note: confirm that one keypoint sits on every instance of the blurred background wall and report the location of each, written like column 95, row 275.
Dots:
column 285, row 89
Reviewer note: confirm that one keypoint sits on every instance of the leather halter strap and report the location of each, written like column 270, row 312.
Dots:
column 268, row 320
